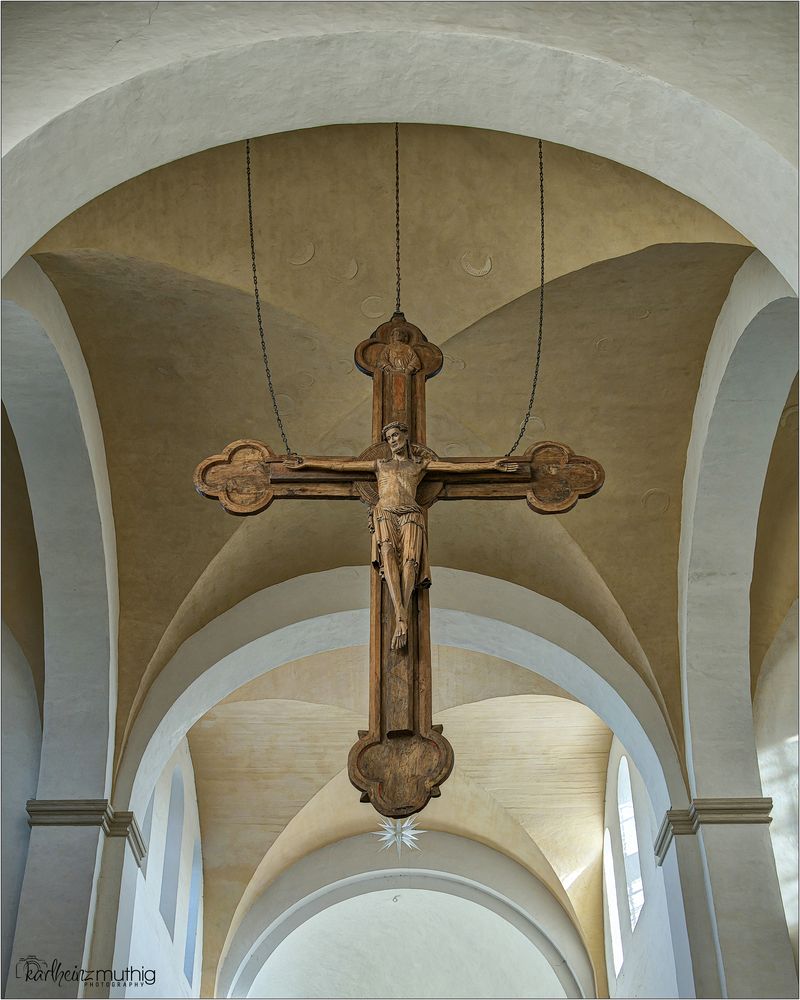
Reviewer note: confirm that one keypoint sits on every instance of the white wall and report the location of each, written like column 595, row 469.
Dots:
column 449, row 864
column 21, row 746
column 775, row 719
column 152, row 947
column 380, row 945
column 648, row 965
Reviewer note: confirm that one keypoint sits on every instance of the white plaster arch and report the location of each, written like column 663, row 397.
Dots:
column 364, row 64
column 51, row 406
column 750, row 365
column 477, row 952
column 449, row 864
column 328, row 610
column 333, row 815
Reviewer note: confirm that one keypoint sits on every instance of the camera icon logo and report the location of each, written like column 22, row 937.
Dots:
column 28, row 966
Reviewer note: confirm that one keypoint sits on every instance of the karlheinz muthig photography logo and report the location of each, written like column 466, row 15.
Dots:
column 33, row 969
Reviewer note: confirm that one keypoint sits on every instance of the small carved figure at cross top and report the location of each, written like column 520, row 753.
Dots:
column 401, row 760
column 398, row 355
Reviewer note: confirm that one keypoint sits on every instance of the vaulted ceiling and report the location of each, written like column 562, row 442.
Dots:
column 155, row 276
column 529, row 758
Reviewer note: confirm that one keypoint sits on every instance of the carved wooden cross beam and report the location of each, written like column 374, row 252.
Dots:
column 401, row 760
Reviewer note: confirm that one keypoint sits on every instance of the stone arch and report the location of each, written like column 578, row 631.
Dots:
column 327, row 610
column 348, row 868
column 334, row 815
column 366, row 69
column 750, row 365
column 52, row 411
column 50, row 401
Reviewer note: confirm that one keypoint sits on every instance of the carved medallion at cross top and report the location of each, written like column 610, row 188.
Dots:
column 401, row 760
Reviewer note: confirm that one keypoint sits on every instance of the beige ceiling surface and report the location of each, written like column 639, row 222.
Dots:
column 340, row 677
column 256, row 764
column 155, row 277
column 466, row 193
column 774, row 586
column 622, row 361
column 176, row 376
column 544, row 760
column 467, row 810
column 253, row 775
column 21, row 583
column 334, row 814
column 301, row 538
column 261, row 755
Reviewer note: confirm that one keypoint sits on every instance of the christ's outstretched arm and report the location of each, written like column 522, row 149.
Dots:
column 488, row 465
column 331, row 464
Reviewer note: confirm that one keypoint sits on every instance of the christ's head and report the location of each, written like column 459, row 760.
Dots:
column 399, row 335
column 396, row 436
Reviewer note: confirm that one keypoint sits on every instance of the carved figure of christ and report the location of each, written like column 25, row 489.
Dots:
column 397, row 521
column 401, row 760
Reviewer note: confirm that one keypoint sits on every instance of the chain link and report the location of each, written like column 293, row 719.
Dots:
column 258, row 303
column 397, row 211
column 522, row 429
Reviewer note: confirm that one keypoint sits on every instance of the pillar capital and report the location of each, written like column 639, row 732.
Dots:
column 89, row 812
column 680, row 822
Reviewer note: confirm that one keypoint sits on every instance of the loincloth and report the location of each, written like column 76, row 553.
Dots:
column 406, row 532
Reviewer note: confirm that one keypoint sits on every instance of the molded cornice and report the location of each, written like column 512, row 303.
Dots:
column 688, row 821
column 89, row 812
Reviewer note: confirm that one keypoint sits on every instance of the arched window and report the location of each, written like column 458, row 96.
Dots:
column 613, row 906
column 172, row 853
column 147, row 828
column 195, row 893
column 630, row 843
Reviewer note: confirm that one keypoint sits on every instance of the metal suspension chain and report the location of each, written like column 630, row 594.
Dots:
column 397, row 211
column 258, row 303
column 522, row 429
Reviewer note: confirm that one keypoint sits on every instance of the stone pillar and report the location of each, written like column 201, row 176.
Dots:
column 720, row 849
column 57, row 907
column 21, row 742
column 116, row 896
column 754, row 945
column 696, row 963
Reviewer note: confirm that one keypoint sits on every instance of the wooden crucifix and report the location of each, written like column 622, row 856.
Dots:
column 401, row 760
